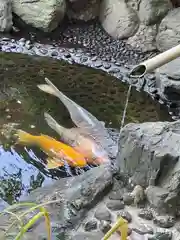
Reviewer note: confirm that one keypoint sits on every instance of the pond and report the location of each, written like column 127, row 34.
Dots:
column 23, row 169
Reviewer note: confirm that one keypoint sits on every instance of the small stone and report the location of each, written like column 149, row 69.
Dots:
column 128, row 199
column 98, row 64
column 116, row 195
column 164, row 221
column 90, row 225
column 94, row 58
column 106, row 65
column 143, row 229
column 125, row 214
column 43, row 51
column 161, row 236
column 104, row 226
column 146, row 214
column 103, row 214
column 129, row 232
column 115, row 205
column 114, row 70
column 83, row 59
column 54, row 54
column 22, row 40
column 67, row 55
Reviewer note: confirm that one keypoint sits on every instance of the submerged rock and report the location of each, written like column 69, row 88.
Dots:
column 31, row 13
column 150, row 151
column 5, row 15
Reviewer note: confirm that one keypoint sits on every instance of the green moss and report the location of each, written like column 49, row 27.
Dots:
column 101, row 94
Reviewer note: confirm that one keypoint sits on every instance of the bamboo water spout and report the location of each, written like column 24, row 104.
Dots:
column 155, row 62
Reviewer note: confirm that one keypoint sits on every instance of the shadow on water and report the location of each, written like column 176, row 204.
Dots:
column 21, row 169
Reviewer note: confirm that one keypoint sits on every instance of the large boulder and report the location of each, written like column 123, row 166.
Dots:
column 153, row 11
column 149, row 154
column 5, row 15
column 42, row 14
column 118, row 19
column 83, row 10
column 144, row 39
column 169, row 31
column 74, row 196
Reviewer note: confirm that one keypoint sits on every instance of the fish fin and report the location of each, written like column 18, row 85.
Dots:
column 51, row 163
column 24, row 137
column 53, row 124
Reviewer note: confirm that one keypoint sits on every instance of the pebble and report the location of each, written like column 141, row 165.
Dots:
column 104, row 226
column 143, row 229
column 116, row 195
column 67, row 55
column 161, row 236
column 54, row 53
column 90, row 225
column 103, row 214
column 83, row 59
column 114, row 70
column 125, row 214
column 164, row 221
column 106, row 65
column 43, row 51
column 129, row 231
column 128, row 199
column 146, row 214
column 115, row 205
column 98, row 64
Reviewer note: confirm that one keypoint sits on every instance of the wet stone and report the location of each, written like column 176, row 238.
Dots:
column 90, row 225
column 143, row 229
column 164, row 221
column 125, row 214
column 114, row 70
column 103, row 214
column 98, row 64
column 128, row 199
column 129, row 231
column 83, row 59
column 54, row 54
column 94, row 58
column 161, row 236
column 106, row 65
column 146, row 214
column 67, row 55
column 115, row 205
column 116, row 195
column 104, row 226
column 43, row 51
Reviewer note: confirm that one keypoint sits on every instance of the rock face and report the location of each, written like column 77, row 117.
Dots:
column 149, row 154
column 134, row 19
column 83, row 10
column 75, row 196
column 5, row 15
column 169, row 31
column 45, row 15
column 118, row 20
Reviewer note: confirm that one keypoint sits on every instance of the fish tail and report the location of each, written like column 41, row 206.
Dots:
column 53, row 124
column 25, row 138
column 50, row 88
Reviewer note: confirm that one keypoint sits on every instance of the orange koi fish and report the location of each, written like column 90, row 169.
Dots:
column 58, row 152
column 90, row 137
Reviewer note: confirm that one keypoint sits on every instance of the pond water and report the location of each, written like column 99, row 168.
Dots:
column 23, row 169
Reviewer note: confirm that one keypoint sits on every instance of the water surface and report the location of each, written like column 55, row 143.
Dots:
column 21, row 169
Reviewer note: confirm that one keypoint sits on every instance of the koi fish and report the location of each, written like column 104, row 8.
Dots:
column 79, row 139
column 58, row 152
column 87, row 124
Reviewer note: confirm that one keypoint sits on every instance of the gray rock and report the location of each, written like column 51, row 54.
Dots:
column 146, row 214
column 115, row 205
column 169, row 31
column 90, row 225
column 5, row 15
column 83, row 10
column 74, row 196
column 153, row 11
column 103, row 214
column 46, row 20
column 118, row 20
column 144, row 39
column 164, row 221
column 151, row 151
column 128, row 199
column 156, row 196
column 104, row 226
column 125, row 214
column 116, row 195
column 161, row 236
column 143, row 229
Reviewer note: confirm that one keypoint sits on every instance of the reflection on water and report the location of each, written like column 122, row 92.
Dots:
column 21, row 169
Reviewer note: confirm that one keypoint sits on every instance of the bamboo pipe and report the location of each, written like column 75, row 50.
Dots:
column 155, row 62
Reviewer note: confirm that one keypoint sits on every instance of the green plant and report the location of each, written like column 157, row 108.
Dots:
column 19, row 217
